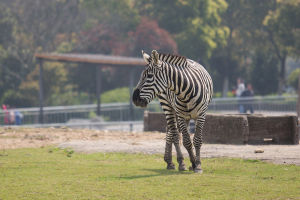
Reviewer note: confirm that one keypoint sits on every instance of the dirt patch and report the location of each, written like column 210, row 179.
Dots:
column 90, row 141
column 11, row 138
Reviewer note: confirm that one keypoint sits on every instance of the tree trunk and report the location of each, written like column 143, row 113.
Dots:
column 282, row 81
column 225, row 86
column 298, row 105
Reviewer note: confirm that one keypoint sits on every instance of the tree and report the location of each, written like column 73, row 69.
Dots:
column 44, row 20
column 294, row 78
column 31, row 26
column 119, row 15
column 148, row 36
column 195, row 24
column 244, row 20
column 264, row 72
column 57, row 87
column 104, row 39
column 283, row 29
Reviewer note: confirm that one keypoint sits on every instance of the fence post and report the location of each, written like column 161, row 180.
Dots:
column 41, row 92
column 131, row 114
column 98, row 89
column 298, row 104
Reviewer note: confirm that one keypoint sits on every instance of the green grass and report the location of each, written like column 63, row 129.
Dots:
column 51, row 173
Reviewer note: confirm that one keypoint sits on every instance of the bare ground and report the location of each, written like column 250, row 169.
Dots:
column 89, row 141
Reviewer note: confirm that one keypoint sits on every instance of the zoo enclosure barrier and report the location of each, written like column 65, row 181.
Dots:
column 120, row 112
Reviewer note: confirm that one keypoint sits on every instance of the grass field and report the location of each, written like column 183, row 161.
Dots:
column 51, row 173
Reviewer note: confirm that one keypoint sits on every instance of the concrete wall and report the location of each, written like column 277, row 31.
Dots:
column 225, row 129
column 238, row 129
column 279, row 129
column 155, row 121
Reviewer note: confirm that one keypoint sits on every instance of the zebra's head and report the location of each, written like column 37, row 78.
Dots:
column 152, row 81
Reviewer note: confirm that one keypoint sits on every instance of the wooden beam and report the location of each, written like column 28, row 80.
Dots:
column 91, row 58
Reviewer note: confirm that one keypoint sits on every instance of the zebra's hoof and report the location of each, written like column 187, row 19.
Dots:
column 198, row 171
column 182, row 167
column 191, row 168
column 171, row 166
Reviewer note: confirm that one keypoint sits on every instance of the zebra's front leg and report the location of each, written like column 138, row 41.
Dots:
column 182, row 123
column 198, row 142
column 172, row 129
column 168, row 151
column 180, row 159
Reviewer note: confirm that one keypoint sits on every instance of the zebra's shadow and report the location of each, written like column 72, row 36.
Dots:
column 156, row 172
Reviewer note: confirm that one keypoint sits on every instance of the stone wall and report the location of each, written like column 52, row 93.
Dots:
column 238, row 129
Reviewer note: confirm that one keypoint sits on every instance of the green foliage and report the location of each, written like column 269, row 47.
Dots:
column 48, row 173
column 68, row 152
column 68, row 97
column 217, row 94
column 195, row 24
column 14, row 99
column 230, row 94
column 294, row 78
column 120, row 14
column 282, row 26
column 264, row 73
column 92, row 115
column 118, row 95
column 232, row 38
column 230, row 61
column 6, row 25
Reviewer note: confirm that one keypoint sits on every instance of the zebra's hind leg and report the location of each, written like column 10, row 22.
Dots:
column 180, row 159
column 168, row 151
column 198, row 142
column 182, row 124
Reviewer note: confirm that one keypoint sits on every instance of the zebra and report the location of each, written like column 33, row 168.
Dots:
column 184, row 89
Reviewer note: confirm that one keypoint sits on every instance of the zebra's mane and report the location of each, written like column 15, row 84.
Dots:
column 173, row 59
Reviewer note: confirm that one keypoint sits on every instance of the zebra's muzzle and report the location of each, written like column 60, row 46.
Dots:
column 137, row 99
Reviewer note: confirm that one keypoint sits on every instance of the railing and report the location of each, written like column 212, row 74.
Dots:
column 272, row 104
column 66, row 114
column 117, row 112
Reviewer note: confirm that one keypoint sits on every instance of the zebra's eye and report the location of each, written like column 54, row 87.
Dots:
column 150, row 75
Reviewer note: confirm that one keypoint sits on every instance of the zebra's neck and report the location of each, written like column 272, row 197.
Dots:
column 177, row 79
column 175, row 65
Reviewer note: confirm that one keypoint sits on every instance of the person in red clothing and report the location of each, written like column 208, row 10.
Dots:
column 6, row 114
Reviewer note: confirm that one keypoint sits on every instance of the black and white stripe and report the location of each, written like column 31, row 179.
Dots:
column 184, row 89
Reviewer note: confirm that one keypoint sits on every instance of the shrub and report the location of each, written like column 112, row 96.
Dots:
column 118, row 95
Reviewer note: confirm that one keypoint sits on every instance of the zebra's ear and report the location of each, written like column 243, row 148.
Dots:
column 155, row 57
column 146, row 57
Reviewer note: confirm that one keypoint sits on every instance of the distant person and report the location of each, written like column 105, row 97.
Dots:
column 11, row 117
column 240, row 89
column 6, row 114
column 248, row 103
column 18, row 117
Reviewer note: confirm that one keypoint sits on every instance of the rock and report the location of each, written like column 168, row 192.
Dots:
column 259, row 151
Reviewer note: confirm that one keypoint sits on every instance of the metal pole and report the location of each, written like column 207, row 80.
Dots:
column 131, row 80
column 298, row 104
column 41, row 92
column 98, row 89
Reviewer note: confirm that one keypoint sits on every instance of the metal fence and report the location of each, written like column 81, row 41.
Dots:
column 113, row 113
column 263, row 104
